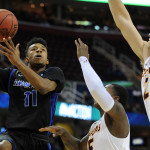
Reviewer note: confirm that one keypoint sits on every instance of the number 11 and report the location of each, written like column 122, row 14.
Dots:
column 34, row 98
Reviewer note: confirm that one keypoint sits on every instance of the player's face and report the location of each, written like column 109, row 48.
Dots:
column 37, row 54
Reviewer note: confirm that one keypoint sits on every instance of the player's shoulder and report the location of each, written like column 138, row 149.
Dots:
column 53, row 69
column 9, row 70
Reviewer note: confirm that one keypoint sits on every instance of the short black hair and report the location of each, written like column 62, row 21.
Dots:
column 121, row 92
column 33, row 41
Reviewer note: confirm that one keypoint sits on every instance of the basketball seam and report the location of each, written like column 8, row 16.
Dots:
column 4, row 19
column 11, row 27
column 3, row 11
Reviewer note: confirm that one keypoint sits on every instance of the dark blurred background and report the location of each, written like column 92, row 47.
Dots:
column 60, row 23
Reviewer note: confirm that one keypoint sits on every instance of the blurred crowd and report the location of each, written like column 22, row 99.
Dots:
column 74, row 16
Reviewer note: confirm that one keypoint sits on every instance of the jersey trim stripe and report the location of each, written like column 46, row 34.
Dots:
column 53, row 101
column 48, row 69
column 49, row 146
column 10, row 79
column 53, row 108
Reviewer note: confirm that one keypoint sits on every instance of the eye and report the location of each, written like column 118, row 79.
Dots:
column 33, row 49
column 43, row 49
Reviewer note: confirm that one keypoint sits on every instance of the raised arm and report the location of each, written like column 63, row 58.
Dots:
column 112, row 107
column 125, row 24
column 40, row 84
column 68, row 140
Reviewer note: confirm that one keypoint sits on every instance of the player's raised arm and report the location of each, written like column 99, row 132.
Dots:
column 43, row 85
column 107, row 102
column 68, row 140
column 125, row 24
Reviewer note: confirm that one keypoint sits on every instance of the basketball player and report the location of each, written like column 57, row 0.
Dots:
column 138, row 45
column 33, row 92
column 112, row 131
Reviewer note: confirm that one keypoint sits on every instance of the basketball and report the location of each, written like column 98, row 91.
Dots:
column 8, row 24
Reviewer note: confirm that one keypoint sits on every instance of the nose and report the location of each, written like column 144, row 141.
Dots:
column 39, row 50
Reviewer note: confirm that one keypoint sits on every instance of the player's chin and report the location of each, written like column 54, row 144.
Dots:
column 38, row 64
column 36, row 61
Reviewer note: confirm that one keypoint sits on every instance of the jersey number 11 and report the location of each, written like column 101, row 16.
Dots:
column 34, row 98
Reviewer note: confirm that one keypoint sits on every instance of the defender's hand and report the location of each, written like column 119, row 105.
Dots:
column 11, row 52
column 82, row 49
column 56, row 130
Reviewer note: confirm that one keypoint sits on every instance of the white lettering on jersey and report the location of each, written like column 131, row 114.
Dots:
column 22, row 83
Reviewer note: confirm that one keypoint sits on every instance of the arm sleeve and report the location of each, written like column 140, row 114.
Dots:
column 56, row 74
column 95, row 85
column 4, row 79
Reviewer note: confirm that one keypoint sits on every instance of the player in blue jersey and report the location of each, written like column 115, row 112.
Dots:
column 33, row 92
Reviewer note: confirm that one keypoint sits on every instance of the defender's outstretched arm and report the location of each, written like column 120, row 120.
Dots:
column 124, row 23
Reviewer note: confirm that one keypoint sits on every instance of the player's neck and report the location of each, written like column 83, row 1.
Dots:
column 37, row 68
column 101, row 112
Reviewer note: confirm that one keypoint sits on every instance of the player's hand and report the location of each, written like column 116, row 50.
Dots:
column 10, row 51
column 56, row 130
column 82, row 49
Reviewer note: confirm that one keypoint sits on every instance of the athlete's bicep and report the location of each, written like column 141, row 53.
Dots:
column 117, row 111
column 83, row 143
column 118, row 114
column 132, row 36
column 118, row 120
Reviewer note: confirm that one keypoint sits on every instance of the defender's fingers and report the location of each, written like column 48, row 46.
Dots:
column 44, row 129
column 50, row 129
column 77, row 44
column 80, row 41
column 11, row 42
column 57, row 133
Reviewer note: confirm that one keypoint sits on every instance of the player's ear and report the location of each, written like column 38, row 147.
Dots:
column 26, row 60
column 116, row 98
column 47, row 62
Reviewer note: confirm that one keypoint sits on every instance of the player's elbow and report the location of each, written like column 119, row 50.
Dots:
column 46, row 88
column 118, row 22
column 42, row 91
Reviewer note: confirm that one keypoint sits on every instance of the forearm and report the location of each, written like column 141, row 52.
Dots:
column 35, row 80
column 70, row 142
column 118, row 11
column 95, row 85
